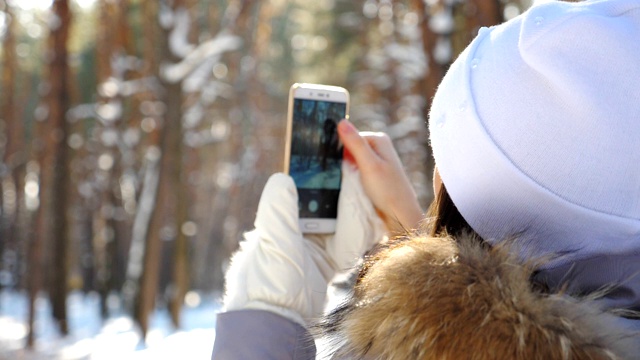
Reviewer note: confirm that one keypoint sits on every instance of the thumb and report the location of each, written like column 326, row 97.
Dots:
column 278, row 208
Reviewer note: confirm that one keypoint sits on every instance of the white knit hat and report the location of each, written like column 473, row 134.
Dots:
column 535, row 130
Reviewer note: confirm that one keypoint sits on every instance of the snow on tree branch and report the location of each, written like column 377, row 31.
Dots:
column 178, row 38
column 210, row 49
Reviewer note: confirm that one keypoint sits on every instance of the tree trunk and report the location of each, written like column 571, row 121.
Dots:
column 220, row 235
column 13, row 156
column 475, row 14
column 58, row 106
column 435, row 72
column 170, row 144
column 171, row 129
column 111, row 46
column 35, row 263
column 180, row 277
column 147, row 200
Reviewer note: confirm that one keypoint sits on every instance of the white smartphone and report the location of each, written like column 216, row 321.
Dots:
column 313, row 156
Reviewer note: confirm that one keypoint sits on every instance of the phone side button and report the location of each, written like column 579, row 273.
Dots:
column 311, row 226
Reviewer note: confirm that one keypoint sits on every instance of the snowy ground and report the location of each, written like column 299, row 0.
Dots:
column 117, row 338
column 313, row 177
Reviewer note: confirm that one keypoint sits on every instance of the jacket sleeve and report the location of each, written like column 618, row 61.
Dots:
column 259, row 334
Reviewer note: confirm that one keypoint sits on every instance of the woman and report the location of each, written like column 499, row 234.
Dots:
column 531, row 249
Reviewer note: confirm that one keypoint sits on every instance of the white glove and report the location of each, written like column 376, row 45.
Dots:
column 280, row 270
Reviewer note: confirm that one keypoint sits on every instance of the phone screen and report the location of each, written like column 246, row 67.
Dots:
column 316, row 156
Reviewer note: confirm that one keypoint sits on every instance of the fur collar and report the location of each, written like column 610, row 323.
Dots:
column 444, row 298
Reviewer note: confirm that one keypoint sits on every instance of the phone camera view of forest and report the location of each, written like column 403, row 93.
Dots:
column 316, row 156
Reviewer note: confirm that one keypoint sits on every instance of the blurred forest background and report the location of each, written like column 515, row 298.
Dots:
column 136, row 135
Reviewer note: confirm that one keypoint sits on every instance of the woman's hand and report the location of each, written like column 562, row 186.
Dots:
column 282, row 270
column 382, row 175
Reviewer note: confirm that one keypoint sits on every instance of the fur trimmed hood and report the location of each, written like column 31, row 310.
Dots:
column 444, row 298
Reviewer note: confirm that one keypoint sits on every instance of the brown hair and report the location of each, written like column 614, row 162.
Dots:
column 443, row 217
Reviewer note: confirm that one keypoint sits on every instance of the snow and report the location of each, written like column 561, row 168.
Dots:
column 214, row 89
column 131, row 87
column 109, row 112
column 3, row 24
column 199, row 76
column 86, row 4
column 31, row 4
column 142, row 217
column 442, row 22
column 413, row 60
column 213, row 48
column 403, row 128
column 312, row 176
column 118, row 337
column 442, row 52
column 81, row 111
column 192, row 116
column 178, row 38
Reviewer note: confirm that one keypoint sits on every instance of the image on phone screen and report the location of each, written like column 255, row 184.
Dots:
column 316, row 156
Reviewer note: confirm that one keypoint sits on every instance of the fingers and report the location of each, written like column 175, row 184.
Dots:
column 381, row 144
column 355, row 144
column 383, row 177
column 364, row 147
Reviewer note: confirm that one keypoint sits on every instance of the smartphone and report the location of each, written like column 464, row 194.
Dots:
column 313, row 156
